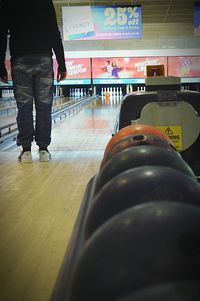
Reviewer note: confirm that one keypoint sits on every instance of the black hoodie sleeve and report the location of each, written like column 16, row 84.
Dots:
column 56, row 40
column 3, row 35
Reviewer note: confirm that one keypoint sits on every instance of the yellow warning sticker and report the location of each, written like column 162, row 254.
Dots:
column 174, row 132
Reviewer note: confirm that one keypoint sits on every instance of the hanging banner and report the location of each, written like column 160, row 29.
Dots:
column 184, row 66
column 197, row 19
column 8, row 68
column 76, row 68
column 101, row 22
column 115, row 68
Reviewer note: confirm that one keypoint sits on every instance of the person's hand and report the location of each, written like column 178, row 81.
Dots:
column 4, row 79
column 61, row 76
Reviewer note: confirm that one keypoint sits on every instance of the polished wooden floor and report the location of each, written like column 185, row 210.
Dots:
column 39, row 202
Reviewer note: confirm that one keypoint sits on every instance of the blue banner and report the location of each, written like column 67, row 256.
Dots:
column 86, row 81
column 102, row 22
column 119, row 81
column 197, row 19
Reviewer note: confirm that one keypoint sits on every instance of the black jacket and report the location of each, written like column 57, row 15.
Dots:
column 32, row 29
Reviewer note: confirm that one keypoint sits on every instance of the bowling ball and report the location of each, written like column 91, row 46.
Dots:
column 140, row 156
column 107, row 95
column 188, row 290
column 133, row 130
column 143, row 246
column 135, row 140
column 140, row 185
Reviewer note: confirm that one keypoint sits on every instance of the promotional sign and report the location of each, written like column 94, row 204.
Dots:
column 101, row 22
column 119, row 68
column 197, row 19
column 8, row 67
column 76, row 68
column 184, row 66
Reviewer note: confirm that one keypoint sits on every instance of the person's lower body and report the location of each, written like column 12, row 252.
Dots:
column 33, row 83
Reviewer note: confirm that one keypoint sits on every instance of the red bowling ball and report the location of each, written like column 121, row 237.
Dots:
column 135, row 140
column 134, row 129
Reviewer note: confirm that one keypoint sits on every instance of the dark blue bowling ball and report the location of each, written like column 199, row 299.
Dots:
column 188, row 290
column 143, row 246
column 140, row 185
column 139, row 156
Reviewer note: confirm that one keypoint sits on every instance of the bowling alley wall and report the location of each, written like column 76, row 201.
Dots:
column 98, row 73
column 128, row 68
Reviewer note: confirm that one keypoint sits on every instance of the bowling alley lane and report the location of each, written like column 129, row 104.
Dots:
column 39, row 201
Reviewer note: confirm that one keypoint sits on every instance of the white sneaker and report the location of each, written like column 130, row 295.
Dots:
column 25, row 157
column 44, row 156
